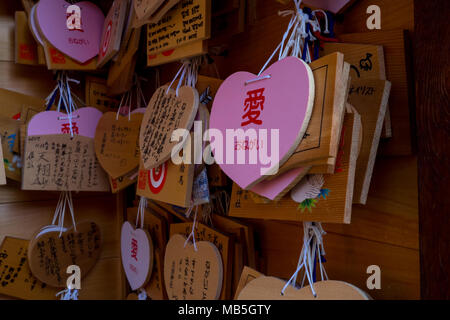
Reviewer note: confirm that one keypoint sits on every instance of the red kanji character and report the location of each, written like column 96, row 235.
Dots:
column 66, row 128
column 254, row 102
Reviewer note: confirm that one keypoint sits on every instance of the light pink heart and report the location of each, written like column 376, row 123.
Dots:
column 80, row 45
column 84, row 122
column 136, row 249
column 288, row 100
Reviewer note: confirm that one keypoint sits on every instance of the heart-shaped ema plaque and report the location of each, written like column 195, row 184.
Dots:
column 84, row 122
column 137, row 255
column 191, row 274
column 269, row 288
column 117, row 143
column 166, row 112
column 73, row 29
column 49, row 255
column 271, row 111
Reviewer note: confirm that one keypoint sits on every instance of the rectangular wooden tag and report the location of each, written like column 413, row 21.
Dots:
column 186, row 22
column 25, row 45
column 97, row 95
column 14, row 102
column 226, row 224
column 56, row 60
column 189, row 50
column 321, row 139
column 112, row 31
column 367, row 62
column 16, row 279
column 369, row 98
column 223, row 243
column 247, row 275
column 401, row 100
column 155, row 287
column 62, row 163
column 334, row 203
column 175, row 186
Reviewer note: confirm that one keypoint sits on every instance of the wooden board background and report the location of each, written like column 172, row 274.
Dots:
column 383, row 232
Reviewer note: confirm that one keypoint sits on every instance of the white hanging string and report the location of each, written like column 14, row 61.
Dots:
column 192, row 234
column 312, row 249
column 68, row 294
column 188, row 73
column 293, row 40
column 141, row 212
column 65, row 199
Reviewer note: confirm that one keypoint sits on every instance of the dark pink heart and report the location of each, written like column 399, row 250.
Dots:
column 81, row 45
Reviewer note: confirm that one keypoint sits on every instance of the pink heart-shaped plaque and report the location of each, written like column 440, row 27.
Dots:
column 281, row 98
column 137, row 255
column 84, row 122
column 79, row 38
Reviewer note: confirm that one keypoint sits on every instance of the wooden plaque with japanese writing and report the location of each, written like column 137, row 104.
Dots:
column 334, row 203
column 401, row 100
column 62, row 163
column 16, row 279
column 366, row 62
column 167, row 111
column 25, row 45
column 169, row 183
column 154, row 223
column 187, row 51
column 97, row 95
column 155, row 287
column 49, row 255
column 192, row 272
column 117, row 143
column 321, row 139
column 186, row 22
column 369, row 98
column 223, row 243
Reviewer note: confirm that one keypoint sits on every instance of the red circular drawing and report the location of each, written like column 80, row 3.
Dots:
column 157, row 178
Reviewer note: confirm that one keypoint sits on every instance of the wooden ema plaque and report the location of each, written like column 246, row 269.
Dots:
column 270, row 288
column 369, row 98
column 321, row 139
column 97, row 95
column 49, row 255
column 222, row 242
column 167, row 111
column 62, row 163
column 56, row 60
column 401, row 100
column 168, row 183
column 192, row 272
column 157, row 227
column 188, row 21
column 187, row 51
column 16, row 279
column 366, row 62
column 117, row 143
column 248, row 274
column 25, row 45
column 334, row 203
column 124, row 181
column 112, row 31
